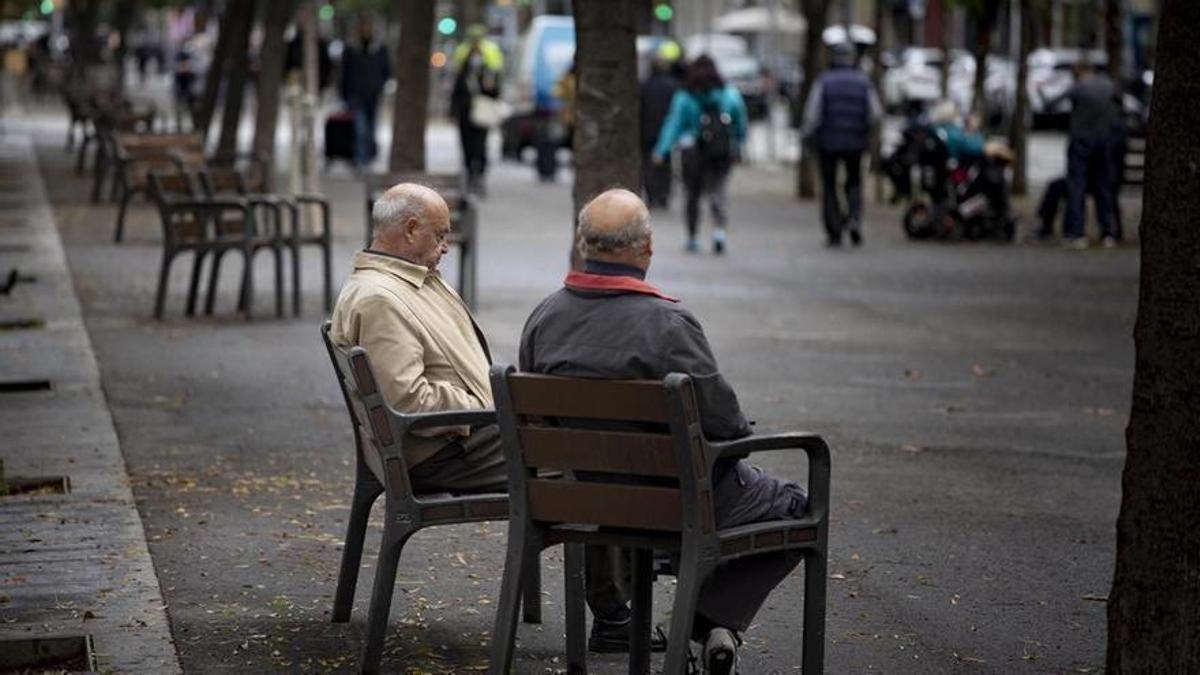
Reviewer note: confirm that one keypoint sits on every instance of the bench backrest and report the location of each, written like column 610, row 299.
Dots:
column 166, row 187
column 631, row 452
column 142, row 153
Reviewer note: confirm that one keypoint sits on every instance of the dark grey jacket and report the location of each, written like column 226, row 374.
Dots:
column 629, row 335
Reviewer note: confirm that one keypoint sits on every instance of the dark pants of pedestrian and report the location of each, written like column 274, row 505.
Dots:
column 365, row 147
column 703, row 177
column 831, row 211
column 473, row 463
column 656, row 180
column 1089, row 171
column 474, row 151
column 736, row 590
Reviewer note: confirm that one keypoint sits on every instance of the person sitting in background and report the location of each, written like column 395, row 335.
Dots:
column 965, row 145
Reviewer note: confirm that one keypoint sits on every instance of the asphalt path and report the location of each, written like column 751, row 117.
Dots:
column 974, row 396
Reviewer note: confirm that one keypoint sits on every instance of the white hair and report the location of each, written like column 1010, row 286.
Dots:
column 394, row 210
column 631, row 233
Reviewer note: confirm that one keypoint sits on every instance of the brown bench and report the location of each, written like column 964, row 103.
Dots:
column 464, row 218
column 139, row 154
column 657, row 496
column 380, row 468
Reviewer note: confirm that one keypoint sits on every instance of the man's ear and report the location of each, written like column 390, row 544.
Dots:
column 411, row 227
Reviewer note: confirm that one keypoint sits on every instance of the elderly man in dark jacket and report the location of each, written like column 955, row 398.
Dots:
column 841, row 110
column 607, row 322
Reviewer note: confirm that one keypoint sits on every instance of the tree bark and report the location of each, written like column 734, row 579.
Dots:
column 987, row 15
column 83, row 37
column 877, row 84
column 1154, row 605
column 216, row 72
column 1114, row 40
column 411, row 105
column 1018, row 129
column 815, row 13
column 606, row 101
column 239, row 65
column 270, row 80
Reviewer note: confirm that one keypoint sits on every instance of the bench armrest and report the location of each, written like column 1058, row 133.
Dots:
column 450, row 418
column 812, row 444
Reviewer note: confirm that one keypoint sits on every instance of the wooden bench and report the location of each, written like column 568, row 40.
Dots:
column 463, row 218
column 139, row 154
column 657, row 495
column 380, row 468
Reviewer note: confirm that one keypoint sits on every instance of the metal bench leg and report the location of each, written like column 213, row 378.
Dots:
column 247, row 291
column 531, row 590
column 126, row 195
column 394, row 538
column 160, row 295
column 194, row 284
column 815, row 565
column 214, row 275
column 687, row 595
column 277, row 251
column 504, row 628
column 366, row 491
column 327, row 263
column 576, row 616
column 639, row 627
column 295, row 246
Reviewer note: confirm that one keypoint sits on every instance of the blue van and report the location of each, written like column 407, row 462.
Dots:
column 546, row 52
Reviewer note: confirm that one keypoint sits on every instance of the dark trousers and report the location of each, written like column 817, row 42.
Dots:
column 471, row 464
column 704, row 178
column 1052, row 198
column 365, row 147
column 474, row 149
column 736, row 590
column 656, row 180
column 1089, row 171
column 831, row 211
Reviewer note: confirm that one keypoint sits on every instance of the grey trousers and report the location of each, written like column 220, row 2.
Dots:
column 736, row 590
column 471, row 464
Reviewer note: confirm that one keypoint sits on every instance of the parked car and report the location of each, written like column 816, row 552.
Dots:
column 544, row 54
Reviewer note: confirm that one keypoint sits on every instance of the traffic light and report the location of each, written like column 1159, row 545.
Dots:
column 447, row 25
column 663, row 12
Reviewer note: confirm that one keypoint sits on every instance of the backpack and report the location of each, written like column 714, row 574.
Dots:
column 715, row 140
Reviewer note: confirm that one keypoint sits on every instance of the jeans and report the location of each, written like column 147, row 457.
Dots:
column 831, row 211
column 1089, row 170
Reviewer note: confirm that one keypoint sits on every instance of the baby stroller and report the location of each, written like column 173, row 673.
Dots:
column 952, row 198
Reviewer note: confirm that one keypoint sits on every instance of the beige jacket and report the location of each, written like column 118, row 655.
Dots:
column 425, row 346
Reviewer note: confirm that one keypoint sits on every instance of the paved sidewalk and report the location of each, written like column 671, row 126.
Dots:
column 75, row 563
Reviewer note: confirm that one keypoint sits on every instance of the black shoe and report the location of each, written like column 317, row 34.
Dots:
column 833, row 242
column 856, row 237
column 613, row 638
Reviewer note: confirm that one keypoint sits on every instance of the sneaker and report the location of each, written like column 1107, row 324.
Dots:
column 720, row 652
column 692, row 245
column 1075, row 243
column 613, row 638
column 1110, row 242
column 719, row 241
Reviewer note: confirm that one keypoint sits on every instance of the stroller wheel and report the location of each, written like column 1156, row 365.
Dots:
column 974, row 229
column 919, row 221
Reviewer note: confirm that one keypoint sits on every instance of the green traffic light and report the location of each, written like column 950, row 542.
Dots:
column 47, row 7
column 447, row 26
column 326, row 12
column 663, row 12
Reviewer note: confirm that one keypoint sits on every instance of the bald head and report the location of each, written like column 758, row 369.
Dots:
column 411, row 221
column 615, row 227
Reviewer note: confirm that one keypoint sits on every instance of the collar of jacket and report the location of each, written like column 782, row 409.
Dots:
column 602, row 282
column 393, row 265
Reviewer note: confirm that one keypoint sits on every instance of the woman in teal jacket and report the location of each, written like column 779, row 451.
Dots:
column 707, row 121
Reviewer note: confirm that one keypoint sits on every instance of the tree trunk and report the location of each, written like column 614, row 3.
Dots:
column 83, row 38
column 815, row 12
column 877, row 84
column 1154, row 605
column 1018, row 129
column 239, row 64
column 411, row 105
column 216, row 72
column 270, row 81
column 987, row 16
column 1114, row 40
column 123, row 22
column 606, row 101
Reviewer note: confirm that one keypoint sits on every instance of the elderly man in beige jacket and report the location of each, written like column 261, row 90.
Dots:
column 427, row 350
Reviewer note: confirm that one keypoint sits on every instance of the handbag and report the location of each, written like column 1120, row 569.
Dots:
column 487, row 112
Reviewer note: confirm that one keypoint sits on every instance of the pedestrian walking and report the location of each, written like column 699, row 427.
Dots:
column 1094, row 105
column 365, row 69
column 474, row 102
column 841, row 111
column 707, row 120
column 656, row 94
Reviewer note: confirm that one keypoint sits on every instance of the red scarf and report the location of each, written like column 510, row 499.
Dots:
column 603, row 282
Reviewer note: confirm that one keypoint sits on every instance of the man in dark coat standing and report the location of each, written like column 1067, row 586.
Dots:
column 656, row 94
column 841, row 111
column 607, row 322
column 365, row 69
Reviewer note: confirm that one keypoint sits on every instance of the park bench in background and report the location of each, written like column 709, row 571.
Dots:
column 464, row 218
column 380, row 468
column 139, row 154
column 656, row 496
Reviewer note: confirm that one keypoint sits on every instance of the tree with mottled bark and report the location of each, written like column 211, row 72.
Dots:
column 1018, row 134
column 1154, row 604
column 270, row 80
column 238, row 66
column 815, row 13
column 411, row 105
column 607, row 101
column 216, row 72
column 986, row 14
column 1113, row 40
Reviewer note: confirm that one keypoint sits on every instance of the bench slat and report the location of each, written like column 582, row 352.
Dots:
column 606, row 451
column 622, row 400
column 606, row 504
